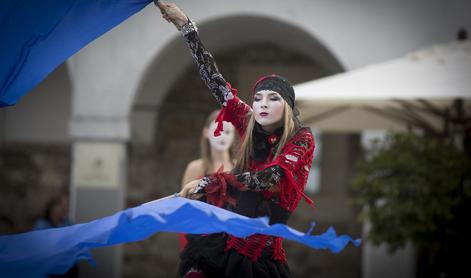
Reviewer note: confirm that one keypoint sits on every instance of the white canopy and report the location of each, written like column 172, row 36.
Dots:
column 416, row 87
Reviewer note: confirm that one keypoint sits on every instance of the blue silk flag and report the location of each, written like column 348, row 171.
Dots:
column 36, row 36
column 54, row 251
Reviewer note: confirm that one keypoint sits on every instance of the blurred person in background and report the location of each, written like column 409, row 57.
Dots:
column 215, row 151
column 56, row 215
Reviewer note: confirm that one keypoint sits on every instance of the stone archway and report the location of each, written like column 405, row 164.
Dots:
column 34, row 151
column 183, row 111
column 218, row 35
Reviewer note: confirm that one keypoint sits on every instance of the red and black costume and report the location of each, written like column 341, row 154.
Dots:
column 272, row 186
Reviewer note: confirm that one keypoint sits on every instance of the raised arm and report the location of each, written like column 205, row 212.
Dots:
column 205, row 62
column 233, row 109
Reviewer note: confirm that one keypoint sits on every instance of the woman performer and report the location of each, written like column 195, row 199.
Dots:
column 269, row 176
column 215, row 153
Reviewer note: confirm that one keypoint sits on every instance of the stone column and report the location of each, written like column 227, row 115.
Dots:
column 98, row 184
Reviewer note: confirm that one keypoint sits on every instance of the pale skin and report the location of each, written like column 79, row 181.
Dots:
column 219, row 157
column 268, row 109
column 172, row 13
column 268, row 106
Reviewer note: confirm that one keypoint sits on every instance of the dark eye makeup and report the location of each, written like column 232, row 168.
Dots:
column 272, row 98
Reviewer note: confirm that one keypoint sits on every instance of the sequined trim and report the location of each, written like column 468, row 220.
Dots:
column 188, row 27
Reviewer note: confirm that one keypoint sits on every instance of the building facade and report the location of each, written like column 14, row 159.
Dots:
column 120, row 119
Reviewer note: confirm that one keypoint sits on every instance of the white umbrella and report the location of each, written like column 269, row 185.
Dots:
column 417, row 89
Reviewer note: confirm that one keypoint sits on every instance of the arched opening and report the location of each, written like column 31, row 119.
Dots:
column 43, row 114
column 218, row 36
column 34, row 151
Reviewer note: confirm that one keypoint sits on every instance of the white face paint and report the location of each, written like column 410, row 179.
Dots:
column 268, row 107
column 224, row 141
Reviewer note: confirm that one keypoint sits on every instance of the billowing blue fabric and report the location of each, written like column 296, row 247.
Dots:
column 54, row 251
column 37, row 36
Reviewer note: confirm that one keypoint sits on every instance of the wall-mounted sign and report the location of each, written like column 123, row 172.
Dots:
column 97, row 165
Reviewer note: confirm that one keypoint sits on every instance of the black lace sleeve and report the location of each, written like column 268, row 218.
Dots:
column 208, row 69
column 266, row 179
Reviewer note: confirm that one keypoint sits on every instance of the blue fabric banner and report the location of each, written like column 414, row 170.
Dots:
column 54, row 251
column 38, row 36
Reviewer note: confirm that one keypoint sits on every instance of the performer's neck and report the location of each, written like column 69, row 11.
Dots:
column 219, row 156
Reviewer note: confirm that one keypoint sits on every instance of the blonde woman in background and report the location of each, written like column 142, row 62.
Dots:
column 216, row 152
